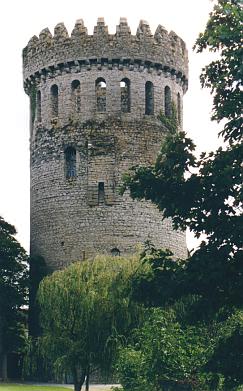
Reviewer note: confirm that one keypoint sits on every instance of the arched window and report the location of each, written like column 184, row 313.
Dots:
column 149, row 98
column 100, row 91
column 76, row 99
column 179, row 108
column 70, row 162
column 125, row 95
column 115, row 252
column 38, row 105
column 54, row 100
column 167, row 101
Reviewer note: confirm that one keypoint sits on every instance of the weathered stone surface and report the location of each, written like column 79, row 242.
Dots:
column 76, row 217
column 162, row 49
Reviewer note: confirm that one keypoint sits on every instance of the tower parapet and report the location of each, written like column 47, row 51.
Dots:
column 51, row 54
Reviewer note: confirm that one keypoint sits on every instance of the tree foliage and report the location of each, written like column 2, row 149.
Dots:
column 38, row 270
column 204, row 194
column 85, row 311
column 165, row 355
column 223, row 34
column 158, row 278
column 13, row 292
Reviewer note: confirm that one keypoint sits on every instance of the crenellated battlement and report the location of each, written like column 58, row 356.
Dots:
column 49, row 53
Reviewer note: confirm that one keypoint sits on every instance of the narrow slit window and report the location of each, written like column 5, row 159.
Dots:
column 179, row 108
column 100, row 91
column 149, row 98
column 70, row 162
column 76, row 98
column 167, row 101
column 32, row 110
column 101, row 193
column 54, row 100
column 125, row 95
column 38, row 105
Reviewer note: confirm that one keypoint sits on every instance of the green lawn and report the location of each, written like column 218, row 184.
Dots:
column 23, row 387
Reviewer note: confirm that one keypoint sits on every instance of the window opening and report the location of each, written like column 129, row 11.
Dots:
column 54, row 100
column 101, row 193
column 125, row 95
column 115, row 252
column 149, row 98
column 76, row 98
column 179, row 108
column 167, row 101
column 70, row 158
column 38, row 105
column 100, row 90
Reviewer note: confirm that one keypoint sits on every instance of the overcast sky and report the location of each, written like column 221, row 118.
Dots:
column 21, row 19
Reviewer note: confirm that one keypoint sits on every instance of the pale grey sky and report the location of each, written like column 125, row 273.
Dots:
column 20, row 20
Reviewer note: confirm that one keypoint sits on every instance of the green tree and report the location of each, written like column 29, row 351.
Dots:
column 165, row 356
column 13, row 293
column 227, row 357
column 85, row 311
column 209, row 200
column 38, row 270
column 173, row 349
column 206, row 196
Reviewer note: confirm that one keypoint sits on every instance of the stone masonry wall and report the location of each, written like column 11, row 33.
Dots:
column 77, row 217
column 113, row 77
column 163, row 50
column 67, row 223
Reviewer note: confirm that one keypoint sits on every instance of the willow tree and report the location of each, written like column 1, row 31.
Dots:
column 85, row 311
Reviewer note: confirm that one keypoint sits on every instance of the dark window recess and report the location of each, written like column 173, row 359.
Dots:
column 54, row 100
column 115, row 252
column 70, row 161
column 179, row 108
column 38, row 105
column 101, row 193
column 167, row 101
column 76, row 98
column 32, row 110
column 125, row 95
column 100, row 91
column 149, row 98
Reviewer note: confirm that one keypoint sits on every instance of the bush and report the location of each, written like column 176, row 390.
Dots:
column 165, row 356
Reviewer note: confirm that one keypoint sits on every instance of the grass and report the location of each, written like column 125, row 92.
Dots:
column 26, row 387
column 23, row 387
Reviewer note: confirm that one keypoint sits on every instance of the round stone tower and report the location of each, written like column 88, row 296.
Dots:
column 94, row 104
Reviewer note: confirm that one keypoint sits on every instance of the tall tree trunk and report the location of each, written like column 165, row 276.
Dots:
column 87, row 379
column 1, row 351
column 1, row 365
column 3, row 357
column 5, row 367
column 78, row 380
